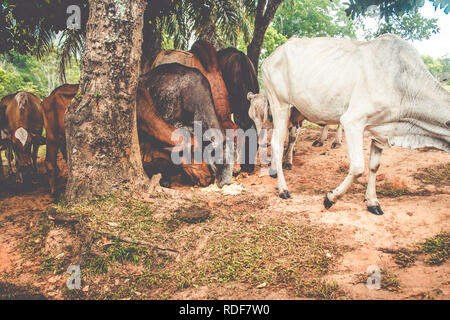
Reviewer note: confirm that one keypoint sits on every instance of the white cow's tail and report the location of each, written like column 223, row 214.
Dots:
column 21, row 99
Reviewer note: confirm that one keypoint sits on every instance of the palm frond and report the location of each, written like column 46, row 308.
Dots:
column 71, row 45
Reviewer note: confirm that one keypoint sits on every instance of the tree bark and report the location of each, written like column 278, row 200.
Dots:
column 101, row 130
column 265, row 12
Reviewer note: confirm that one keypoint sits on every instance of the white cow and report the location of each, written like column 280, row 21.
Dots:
column 259, row 112
column 380, row 86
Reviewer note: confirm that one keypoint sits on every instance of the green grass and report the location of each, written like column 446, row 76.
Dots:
column 435, row 249
column 215, row 247
column 388, row 190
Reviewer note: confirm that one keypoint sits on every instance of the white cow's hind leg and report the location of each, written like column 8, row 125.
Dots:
column 289, row 153
column 280, row 120
column 323, row 136
column 371, row 193
column 354, row 135
column 338, row 138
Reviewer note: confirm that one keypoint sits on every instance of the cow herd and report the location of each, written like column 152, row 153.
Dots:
column 381, row 87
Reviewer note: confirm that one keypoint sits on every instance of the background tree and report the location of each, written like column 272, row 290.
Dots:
column 263, row 12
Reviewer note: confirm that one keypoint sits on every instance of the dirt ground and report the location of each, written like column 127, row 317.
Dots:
column 416, row 206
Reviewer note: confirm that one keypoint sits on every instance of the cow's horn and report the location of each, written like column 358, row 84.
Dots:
column 250, row 96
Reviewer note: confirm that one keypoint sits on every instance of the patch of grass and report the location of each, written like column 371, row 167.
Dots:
column 405, row 258
column 388, row 279
column 438, row 248
column 33, row 242
column 215, row 245
column 98, row 265
column 122, row 254
column 274, row 252
column 438, row 175
column 389, row 190
column 319, row 289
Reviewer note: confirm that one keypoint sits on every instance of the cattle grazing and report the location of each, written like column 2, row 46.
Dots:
column 240, row 77
column 21, row 119
column 54, row 108
column 179, row 96
column 260, row 113
column 203, row 56
column 381, row 87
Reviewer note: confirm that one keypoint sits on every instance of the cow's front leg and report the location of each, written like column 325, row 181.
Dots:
column 371, row 193
column 289, row 154
column 278, row 137
column 338, row 139
column 34, row 155
column 354, row 136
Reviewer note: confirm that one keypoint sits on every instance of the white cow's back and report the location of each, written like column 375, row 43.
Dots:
column 319, row 75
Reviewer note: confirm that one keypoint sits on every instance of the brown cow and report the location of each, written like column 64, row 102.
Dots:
column 182, row 95
column 155, row 140
column 22, row 120
column 54, row 107
column 240, row 78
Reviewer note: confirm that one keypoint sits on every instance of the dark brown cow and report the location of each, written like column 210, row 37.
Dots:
column 54, row 107
column 155, row 140
column 22, row 120
column 203, row 56
column 181, row 96
column 240, row 77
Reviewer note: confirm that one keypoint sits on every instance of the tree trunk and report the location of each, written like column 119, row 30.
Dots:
column 101, row 130
column 265, row 12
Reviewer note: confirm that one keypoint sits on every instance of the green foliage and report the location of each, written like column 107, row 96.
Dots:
column 38, row 76
column 272, row 40
column 411, row 26
column 313, row 18
column 390, row 8
column 440, row 68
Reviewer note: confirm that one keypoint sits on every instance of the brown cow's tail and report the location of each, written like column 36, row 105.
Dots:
column 22, row 100
column 207, row 54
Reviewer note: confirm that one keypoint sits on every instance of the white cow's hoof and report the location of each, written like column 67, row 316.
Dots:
column 335, row 145
column 285, row 195
column 317, row 143
column 375, row 210
column 327, row 203
column 273, row 174
column 287, row 166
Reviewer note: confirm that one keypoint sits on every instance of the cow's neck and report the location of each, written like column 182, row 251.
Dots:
column 427, row 110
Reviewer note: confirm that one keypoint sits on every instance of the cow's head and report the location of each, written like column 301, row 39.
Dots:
column 199, row 174
column 259, row 111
